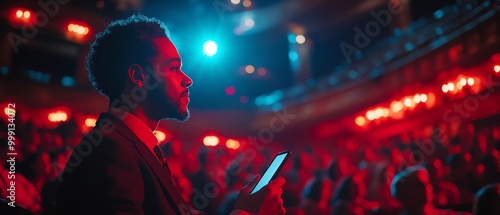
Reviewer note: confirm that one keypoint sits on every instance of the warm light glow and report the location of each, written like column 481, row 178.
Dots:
column 416, row 98
column 496, row 68
column 59, row 116
column 211, row 141
column 19, row 13
column 262, row 71
column 459, row 85
column 423, row 98
column 444, row 88
column 90, row 122
column 408, row 102
column 9, row 111
column 247, row 3
column 300, row 39
column 451, row 86
column 463, row 81
column 160, row 135
column 379, row 113
column 370, row 115
column 78, row 29
column 431, row 100
column 27, row 14
column 249, row 69
column 232, row 144
column 235, row 2
column 470, row 81
column 360, row 121
column 385, row 112
column 396, row 106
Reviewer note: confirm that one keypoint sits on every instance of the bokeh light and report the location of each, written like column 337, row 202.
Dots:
column 210, row 48
column 211, row 141
column 301, row 39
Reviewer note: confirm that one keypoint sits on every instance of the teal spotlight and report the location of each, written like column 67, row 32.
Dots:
column 210, row 48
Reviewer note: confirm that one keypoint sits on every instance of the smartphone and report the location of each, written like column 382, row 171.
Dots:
column 272, row 171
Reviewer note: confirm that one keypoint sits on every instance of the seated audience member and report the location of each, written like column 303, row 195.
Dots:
column 349, row 198
column 445, row 193
column 380, row 187
column 491, row 171
column 487, row 200
column 413, row 189
column 316, row 194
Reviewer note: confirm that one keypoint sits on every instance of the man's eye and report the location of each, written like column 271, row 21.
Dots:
column 175, row 68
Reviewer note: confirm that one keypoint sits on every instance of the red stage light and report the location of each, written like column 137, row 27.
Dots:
column 423, row 98
column 232, row 144
column 27, row 14
column 470, row 81
column 370, row 115
column 19, row 13
column 360, row 121
column 90, row 122
column 416, row 98
column 396, row 106
column 78, row 29
column 230, row 90
column 211, row 141
column 160, row 135
column 451, row 86
column 59, row 116
column 496, row 68
column 408, row 102
column 444, row 88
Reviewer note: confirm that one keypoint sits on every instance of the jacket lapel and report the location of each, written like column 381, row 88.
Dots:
column 161, row 174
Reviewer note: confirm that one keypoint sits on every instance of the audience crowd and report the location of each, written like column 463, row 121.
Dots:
column 458, row 175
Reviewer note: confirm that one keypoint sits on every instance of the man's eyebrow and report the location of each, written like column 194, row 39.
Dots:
column 172, row 59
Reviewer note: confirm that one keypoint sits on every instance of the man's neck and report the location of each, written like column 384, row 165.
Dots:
column 141, row 114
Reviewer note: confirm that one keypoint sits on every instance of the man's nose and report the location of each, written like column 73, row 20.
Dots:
column 187, row 81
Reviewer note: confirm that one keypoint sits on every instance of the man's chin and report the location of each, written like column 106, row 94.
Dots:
column 180, row 116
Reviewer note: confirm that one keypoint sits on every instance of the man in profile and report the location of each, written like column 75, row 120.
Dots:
column 118, row 167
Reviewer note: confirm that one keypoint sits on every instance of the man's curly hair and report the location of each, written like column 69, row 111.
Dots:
column 122, row 43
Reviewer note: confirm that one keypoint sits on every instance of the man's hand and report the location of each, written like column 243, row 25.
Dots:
column 266, row 201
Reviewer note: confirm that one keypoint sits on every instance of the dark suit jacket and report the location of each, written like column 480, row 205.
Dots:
column 112, row 171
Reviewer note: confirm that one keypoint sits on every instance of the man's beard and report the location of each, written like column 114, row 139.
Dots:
column 169, row 110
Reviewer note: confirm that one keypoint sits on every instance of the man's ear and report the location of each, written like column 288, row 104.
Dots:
column 136, row 75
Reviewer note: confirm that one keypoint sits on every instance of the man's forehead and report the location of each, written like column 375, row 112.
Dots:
column 166, row 48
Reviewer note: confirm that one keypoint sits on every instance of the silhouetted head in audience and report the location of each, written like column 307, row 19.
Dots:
column 4, row 148
column 491, row 164
column 39, row 166
column 487, row 200
column 351, row 189
column 332, row 172
column 413, row 189
column 458, row 165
